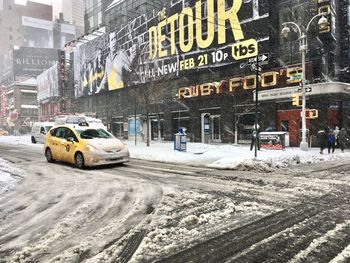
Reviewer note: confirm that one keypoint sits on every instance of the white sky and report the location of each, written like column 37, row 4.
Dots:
column 57, row 5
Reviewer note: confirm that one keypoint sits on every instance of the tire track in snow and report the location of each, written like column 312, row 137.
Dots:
column 219, row 248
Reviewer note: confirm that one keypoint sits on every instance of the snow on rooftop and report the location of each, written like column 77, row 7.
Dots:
column 28, row 82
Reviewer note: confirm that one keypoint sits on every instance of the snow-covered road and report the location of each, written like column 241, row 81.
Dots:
column 146, row 212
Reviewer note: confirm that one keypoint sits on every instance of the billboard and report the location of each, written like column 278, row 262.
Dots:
column 37, row 32
column 6, row 63
column 48, row 83
column 33, row 61
column 185, row 36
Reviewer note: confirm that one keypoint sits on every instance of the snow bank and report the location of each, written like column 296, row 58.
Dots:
column 225, row 156
column 19, row 140
column 8, row 176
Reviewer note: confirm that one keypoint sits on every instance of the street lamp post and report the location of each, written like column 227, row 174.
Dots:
column 303, row 49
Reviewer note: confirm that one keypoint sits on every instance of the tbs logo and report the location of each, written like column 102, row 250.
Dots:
column 245, row 49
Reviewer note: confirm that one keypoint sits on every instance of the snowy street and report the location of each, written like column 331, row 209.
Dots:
column 150, row 211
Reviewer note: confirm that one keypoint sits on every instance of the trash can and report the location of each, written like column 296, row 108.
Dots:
column 180, row 141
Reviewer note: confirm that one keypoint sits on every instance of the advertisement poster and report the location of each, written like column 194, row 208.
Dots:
column 272, row 141
column 131, row 127
column 184, row 36
column 33, row 61
column 48, row 83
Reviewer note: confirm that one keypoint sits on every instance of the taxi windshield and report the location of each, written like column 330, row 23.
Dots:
column 94, row 133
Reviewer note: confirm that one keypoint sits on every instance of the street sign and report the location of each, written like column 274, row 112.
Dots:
column 263, row 59
column 307, row 89
column 253, row 67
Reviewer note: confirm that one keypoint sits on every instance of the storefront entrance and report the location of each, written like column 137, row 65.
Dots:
column 290, row 121
column 157, row 129
column 118, row 129
column 211, row 128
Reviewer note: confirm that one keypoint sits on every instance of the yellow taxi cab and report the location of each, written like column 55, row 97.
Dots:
column 84, row 146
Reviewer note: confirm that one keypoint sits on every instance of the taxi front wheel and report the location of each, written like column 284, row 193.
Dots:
column 79, row 160
column 48, row 155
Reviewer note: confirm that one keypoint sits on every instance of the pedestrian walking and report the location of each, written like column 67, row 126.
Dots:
column 336, row 132
column 255, row 135
column 342, row 139
column 322, row 140
column 331, row 141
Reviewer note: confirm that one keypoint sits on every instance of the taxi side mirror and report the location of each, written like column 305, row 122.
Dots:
column 70, row 139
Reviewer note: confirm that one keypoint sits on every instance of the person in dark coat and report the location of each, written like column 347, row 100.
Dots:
column 331, row 141
column 322, row 140
column 342, row 138
column 255, row 135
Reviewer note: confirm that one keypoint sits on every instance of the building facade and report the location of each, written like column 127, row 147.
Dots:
column 21, row 92
column 74, row 13
column 185, row 64
column 35, row 48
column 94, row 13
column 22, row 107
column 12, row 22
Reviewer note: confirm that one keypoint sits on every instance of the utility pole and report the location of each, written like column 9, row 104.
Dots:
column 256, row 105
column 135, row 121
column 303, row 48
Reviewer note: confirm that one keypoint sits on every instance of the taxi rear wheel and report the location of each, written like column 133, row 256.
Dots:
column 79, row 160
column 48, row 155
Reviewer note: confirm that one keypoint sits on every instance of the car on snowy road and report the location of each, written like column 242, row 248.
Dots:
column 84, row 146
column 39, row 131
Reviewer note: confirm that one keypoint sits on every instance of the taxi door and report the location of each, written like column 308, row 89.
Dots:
column 54, row 143
column 68, row 148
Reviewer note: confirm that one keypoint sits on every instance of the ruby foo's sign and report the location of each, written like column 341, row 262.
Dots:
column 272, row 79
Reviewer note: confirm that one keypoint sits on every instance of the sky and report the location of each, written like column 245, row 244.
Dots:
column 57, row 5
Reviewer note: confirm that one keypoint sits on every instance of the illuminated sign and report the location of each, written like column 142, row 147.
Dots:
column 270, row 79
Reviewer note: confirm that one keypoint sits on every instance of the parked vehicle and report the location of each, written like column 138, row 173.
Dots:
column 39, row 130
column 83, row 145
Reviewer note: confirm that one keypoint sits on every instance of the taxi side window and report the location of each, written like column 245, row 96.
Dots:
column 58, row 132
column 69, row 133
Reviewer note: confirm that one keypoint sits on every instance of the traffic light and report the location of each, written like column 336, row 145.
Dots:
column 295, row 99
